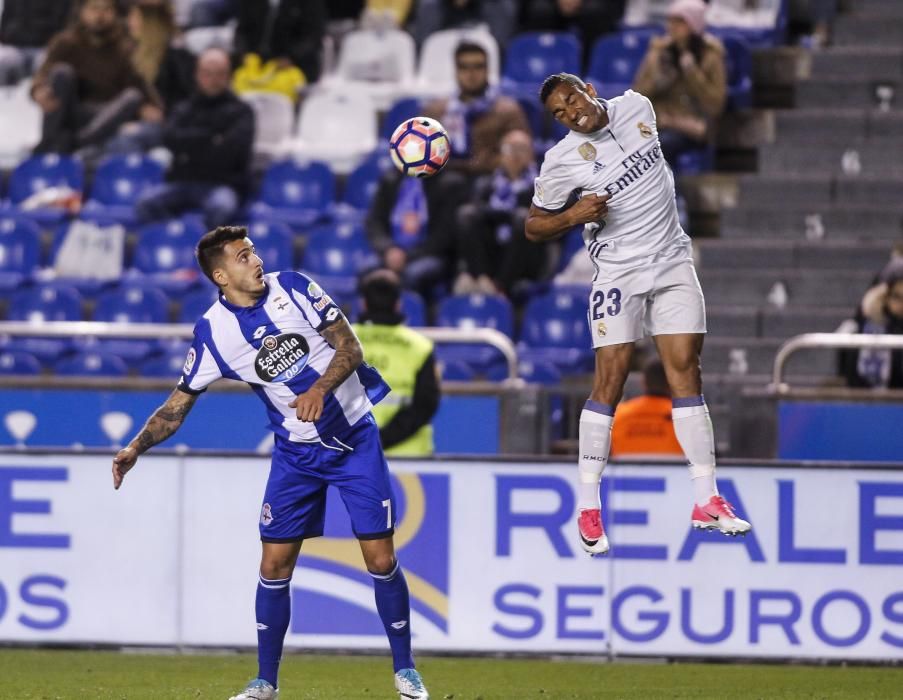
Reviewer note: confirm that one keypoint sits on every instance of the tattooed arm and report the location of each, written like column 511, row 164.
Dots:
column 348, row 356
column 163, row 423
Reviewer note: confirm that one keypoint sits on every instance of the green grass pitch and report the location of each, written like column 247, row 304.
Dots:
column 106, row 675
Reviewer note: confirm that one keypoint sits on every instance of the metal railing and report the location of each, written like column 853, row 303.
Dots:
column 824, row 341
column 96, row 329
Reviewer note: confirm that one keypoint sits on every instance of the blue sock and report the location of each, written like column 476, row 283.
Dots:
column 273, row 609
column 394, row 609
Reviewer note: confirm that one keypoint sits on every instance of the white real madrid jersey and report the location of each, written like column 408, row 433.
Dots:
column 623, row 159
column 275, row 346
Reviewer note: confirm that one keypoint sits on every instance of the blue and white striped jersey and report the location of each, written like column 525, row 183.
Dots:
column 275, row 347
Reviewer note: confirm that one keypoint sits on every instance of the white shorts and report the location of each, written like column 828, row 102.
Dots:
column 658, row 299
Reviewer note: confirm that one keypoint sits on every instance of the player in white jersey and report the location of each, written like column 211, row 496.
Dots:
column 609, row 174
column 284, row 336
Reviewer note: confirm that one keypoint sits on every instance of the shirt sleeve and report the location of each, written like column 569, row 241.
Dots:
column 201, row 368
column 553, row 189
column 316, row 305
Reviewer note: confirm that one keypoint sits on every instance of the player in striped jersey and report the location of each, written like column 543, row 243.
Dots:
column 284, row 336
column 608, row 174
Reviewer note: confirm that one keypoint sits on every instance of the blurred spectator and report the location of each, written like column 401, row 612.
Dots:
column 478, row 116
column 158, row 55
column 490, row 227
column 881, row 311
column 26, row 27
column 289, row 33
column 643, row 426
column 588, row 19
column 432, row 15
column 211, row 135
column 163, row 63
column 406, row 361
column 88, row 86
column 411, row 225
column 684, row 75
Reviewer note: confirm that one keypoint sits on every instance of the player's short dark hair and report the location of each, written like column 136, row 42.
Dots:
column 655, row 378
column 210, row 247
column 469, row 47
column 553, row 81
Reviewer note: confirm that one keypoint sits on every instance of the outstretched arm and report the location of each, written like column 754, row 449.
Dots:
column 348, row 356
column 163, row 423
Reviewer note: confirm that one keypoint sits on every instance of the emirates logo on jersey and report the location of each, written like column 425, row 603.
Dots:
column 281, row 357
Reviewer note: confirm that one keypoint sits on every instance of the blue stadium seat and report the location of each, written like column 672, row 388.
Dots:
column 739, row 69
column 48, row 302
column 16, row 362
column 294, row 193
column 693, row 162
column 477, row 311
column 571, row 244
column 128, row 303
column 532, row 57
column 454, row 370
column 195, row 303
column 119, row 182
column 615, row 59
column 274, row 244
column 167, row 365
column 335, row 255
column 20, row 250
column 405, row 108
column 41, row 172
column 165, row 253
column 555, row 329
column 91, row 364
column 361, row 186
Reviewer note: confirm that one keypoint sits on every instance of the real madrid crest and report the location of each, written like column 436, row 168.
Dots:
column 587, row 151
column 645, row 130
column 602, row 328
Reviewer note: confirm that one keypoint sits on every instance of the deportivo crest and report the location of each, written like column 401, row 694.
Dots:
column 281, row 357
column 587, row 151
column 189, row 361
column 266, row 514
column 645, row 130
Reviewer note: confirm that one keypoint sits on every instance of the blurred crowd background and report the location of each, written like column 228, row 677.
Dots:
column 127, row 129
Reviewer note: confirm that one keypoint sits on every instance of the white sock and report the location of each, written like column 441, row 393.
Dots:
column 693, row 428
column 595, row 439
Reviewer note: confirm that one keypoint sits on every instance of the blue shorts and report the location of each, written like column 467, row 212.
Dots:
column 294, row 503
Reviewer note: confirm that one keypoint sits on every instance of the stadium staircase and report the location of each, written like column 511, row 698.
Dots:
column 801, row 239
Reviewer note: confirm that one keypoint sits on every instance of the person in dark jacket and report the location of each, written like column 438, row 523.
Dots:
column 410, row 225
column 87, row 85
column 881, row 311
column 210, row 136
column 405, row 359
column 496, row 254
column 291, row 32
column 25, row 28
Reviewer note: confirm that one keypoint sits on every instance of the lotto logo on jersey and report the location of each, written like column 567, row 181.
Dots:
column 341, row 590
column 281, row 357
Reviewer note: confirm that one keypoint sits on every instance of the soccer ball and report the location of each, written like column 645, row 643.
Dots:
column 419, row 147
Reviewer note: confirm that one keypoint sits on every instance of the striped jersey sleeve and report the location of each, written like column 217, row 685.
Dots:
column 201, row 368
column 317, row 306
